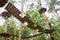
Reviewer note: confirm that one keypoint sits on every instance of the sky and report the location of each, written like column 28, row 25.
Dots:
column 2, row 21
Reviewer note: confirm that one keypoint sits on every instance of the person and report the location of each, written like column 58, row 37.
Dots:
column 28, row 16
column 23, row 33
column 10, row 29
column 38, row 24
column 48, row 23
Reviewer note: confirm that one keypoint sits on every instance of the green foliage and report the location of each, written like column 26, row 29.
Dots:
column 1, row 29
column 27, row 30
column 35, row 16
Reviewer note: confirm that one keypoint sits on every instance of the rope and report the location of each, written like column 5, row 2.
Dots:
column 28, row 36
column 45, row 31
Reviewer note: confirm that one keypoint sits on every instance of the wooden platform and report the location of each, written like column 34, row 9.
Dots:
column 3, row 2
column 4, row 34
column 15, row 12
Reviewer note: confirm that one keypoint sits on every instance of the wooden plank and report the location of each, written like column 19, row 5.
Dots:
column 31, row 27
column 8, row 6
column 40, row 28
column 19, row 18
column 11, row 8
column 28, row 21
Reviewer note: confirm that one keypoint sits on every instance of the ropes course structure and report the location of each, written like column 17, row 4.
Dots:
column 48, row 24
column 12, row 10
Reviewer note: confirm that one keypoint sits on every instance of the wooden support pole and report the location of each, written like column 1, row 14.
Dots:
column 21, row 26
column 14, row 33
column 5, row 28
column 3, row 38
column 14, row 27
column 20, row 31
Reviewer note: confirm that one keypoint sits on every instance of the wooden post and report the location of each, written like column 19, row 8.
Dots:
column 3, row 38
column 14, row 27
column 5, row 28
column 20, row 30
column 21, row 26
